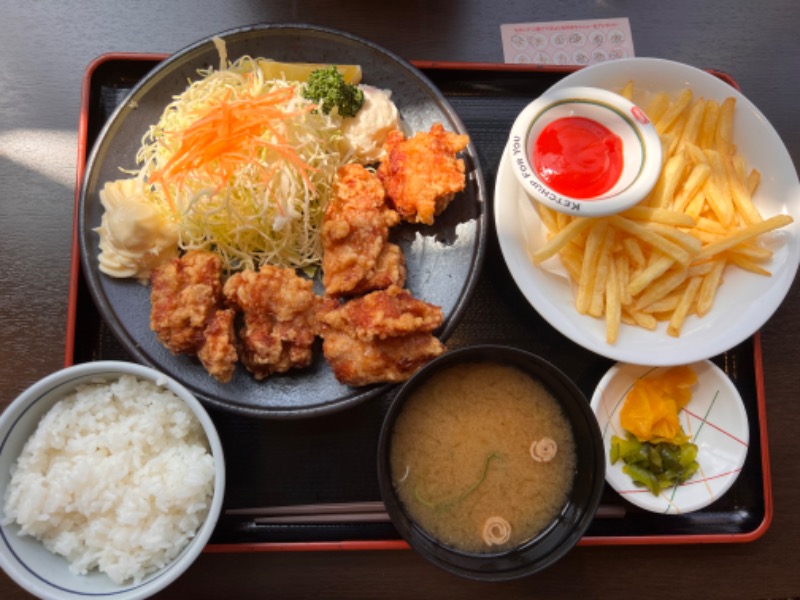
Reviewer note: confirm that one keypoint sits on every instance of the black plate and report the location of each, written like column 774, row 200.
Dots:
column 443, row 260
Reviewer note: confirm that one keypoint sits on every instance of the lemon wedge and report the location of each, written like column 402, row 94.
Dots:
column 297, row 71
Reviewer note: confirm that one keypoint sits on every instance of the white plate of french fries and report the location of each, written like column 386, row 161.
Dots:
column 701, row 263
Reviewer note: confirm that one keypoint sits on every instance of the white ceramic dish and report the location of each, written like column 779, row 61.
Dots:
column 47, row 575
column 715, row 420
column 744, row 302
column 641, row 148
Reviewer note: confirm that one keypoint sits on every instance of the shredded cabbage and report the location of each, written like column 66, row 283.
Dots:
column 259, row 199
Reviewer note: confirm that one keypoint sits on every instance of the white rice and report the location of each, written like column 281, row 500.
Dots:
column 117, row 476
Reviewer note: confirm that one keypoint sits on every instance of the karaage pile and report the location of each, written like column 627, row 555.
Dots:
column 373, row 330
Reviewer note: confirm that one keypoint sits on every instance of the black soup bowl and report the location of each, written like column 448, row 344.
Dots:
column 570, row 522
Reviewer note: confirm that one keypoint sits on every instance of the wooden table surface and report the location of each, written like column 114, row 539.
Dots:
column 46, row 47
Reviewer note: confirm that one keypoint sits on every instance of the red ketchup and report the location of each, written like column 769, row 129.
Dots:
column 578, row 157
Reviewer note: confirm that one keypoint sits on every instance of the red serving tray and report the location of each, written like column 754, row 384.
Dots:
column 435, row 70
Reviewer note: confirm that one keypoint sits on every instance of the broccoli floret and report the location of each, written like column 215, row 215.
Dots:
column 328, row 88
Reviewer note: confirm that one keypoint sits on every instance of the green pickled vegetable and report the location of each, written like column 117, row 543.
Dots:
column 642, row 477
column 656, row 466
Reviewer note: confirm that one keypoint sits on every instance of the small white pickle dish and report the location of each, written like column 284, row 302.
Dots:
column 715, row 419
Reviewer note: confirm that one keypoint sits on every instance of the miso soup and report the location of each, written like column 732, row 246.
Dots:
column 482, row 457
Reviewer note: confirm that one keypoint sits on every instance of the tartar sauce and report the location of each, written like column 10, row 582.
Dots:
column 365, row 133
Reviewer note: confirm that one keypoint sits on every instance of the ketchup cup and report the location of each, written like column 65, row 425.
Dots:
column 584, row 151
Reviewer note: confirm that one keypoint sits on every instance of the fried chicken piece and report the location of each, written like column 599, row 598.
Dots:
column 390, row 269
column 185, row 294
column 355, row 232
column 218, row 353
column 386, row 313
column 392, row 360
column 385, row 336
column 280, row 310
column 421, row 175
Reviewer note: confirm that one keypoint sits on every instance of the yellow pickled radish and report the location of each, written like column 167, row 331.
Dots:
column 298, row 71
column 651, row 408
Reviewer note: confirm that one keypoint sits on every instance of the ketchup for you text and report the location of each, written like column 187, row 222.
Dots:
column 578, row 157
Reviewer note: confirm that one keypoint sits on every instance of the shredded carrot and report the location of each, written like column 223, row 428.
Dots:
column 230, row 132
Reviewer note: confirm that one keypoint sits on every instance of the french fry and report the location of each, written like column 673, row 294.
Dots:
column 563, row 219
column 740, row 165
column 708, row 128
column 724, row 136
column 711, row 226
column 547, row 215
column 708, row 289
column 717, row 189
column 706, row 237
column 560, row 239
column 743, row 235
column 644, row 320
column 672, row 175
column 700, row 269
column 691, row 129
column 747, row 264
column 622, row 267
column 652, row 238
column 752, row 252
column 687, row 241
column 671, row 114
column 572, row 259
column 659, row 215
column 634, row 251
column 694, row 183
column 695, row 153
column 675, row 131
column 591, row 255
column 662, row 316
column 753, row 179
column 655, row 269
column 740, row 193
column 658, row 106
column 613, row 304
column 695, row 207
column 682, row 309
column 599, row 285
column 660, row 288
column 627, row 91
column 666, row 304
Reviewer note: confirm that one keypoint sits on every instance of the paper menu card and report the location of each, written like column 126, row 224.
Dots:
column 579, row 43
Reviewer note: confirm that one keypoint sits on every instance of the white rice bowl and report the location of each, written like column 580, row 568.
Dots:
column 117, row 471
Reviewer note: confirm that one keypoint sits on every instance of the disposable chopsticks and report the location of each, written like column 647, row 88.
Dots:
column 347, row 512
column 343, row 512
